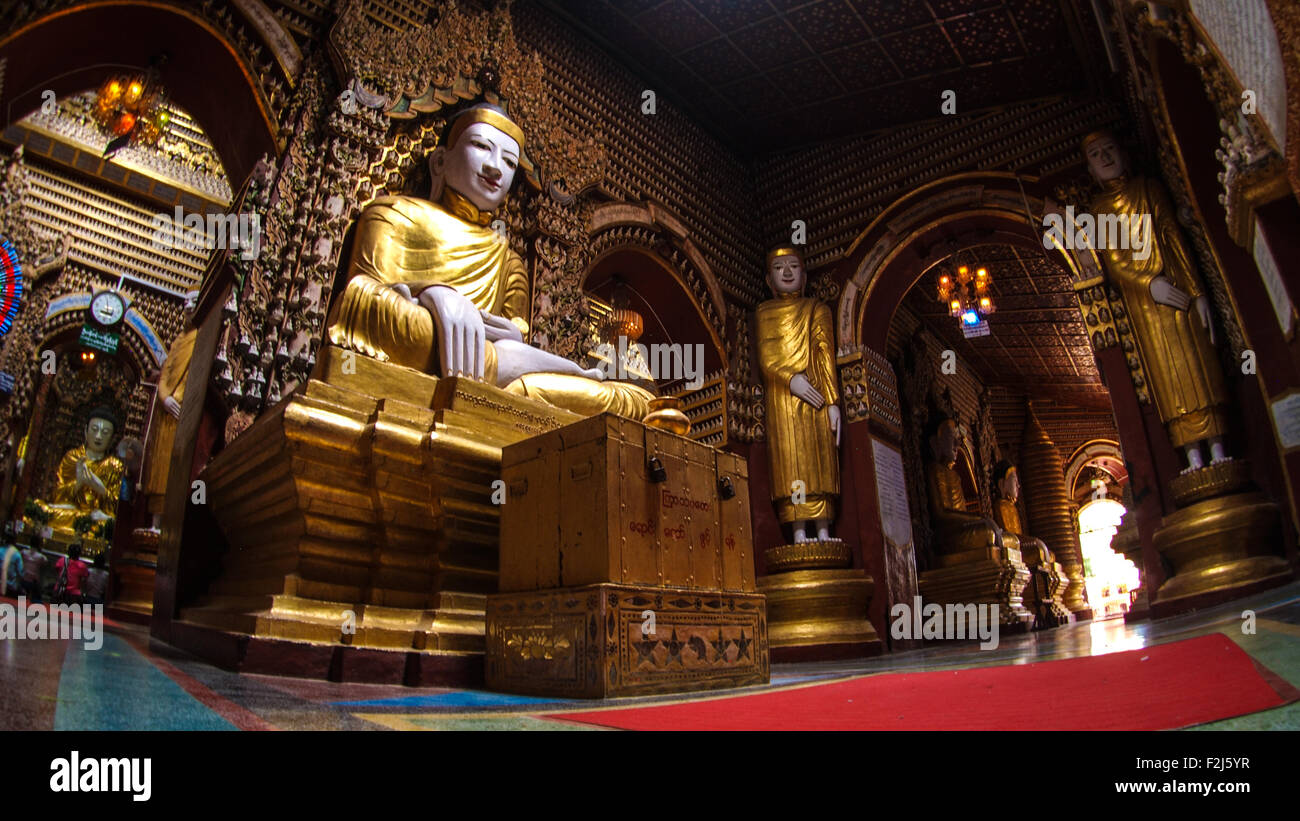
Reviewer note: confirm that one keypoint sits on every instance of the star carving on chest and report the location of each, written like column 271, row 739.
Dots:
column 645, row 649
column 742, row 645
column 674, row 648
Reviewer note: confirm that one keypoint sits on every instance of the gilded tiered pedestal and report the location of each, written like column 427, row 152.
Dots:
column 816, row 604
column 363, row 522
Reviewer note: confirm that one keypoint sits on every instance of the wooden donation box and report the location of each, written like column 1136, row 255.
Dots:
column 627, row 566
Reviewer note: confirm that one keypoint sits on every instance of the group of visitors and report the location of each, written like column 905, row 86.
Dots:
column 74, row 581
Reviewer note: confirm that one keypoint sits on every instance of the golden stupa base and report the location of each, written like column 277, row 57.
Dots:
column 595, row 641
column 364, row 522
column 1220, row 548
column 819, row 614
column 1074, row 591
column 990, row 575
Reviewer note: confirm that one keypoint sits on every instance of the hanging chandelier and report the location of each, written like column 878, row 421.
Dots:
column 132, row 109
column 964, row 289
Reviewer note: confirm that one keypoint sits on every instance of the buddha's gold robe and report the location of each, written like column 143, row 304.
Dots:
column 162, row 432
column 72, row 501
column 1007, row 515
column 796, row 336
column 1181, row 365
column 419, row 243
column 955, row 529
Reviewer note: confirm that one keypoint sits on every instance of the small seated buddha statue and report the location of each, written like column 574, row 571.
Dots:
column 1048, row 578
column 88, row 480
column 432, row 286
column 956, row 530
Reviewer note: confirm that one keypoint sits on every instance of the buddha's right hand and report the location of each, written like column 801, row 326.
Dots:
column 461, row 344
column 802, row 388
column 87, row 478
column 1164, row 291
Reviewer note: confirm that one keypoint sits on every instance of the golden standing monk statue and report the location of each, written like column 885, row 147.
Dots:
column 955, row 528
column 167, row 410
column 1166, row 304
column 89, row 478
column 796, row 351
column 435, row 288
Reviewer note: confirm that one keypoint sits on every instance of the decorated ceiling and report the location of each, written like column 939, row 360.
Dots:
column 776, row 74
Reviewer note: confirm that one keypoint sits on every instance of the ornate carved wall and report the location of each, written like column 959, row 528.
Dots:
column 839, row 189
column 365, row 125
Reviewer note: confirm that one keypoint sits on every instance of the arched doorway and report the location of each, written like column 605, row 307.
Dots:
column 1037, row 347
column 66, row 52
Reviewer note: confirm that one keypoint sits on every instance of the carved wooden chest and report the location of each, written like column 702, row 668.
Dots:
column 611, row 500
column 627, row 566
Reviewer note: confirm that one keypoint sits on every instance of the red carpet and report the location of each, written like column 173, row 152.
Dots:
column 1156, row 688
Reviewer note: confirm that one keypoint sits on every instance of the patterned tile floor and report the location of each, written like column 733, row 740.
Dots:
column 133, row 683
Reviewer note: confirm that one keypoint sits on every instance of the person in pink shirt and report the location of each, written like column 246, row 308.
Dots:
column 77, row 571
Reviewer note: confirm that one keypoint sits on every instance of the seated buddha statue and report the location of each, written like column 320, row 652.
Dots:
column 1007, row 513
column 1048, row 577
column 433, row 287
column 89, row 478
column 955, row 529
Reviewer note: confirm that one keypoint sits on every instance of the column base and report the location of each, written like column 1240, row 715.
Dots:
column 1220, row 548
column 818, row 615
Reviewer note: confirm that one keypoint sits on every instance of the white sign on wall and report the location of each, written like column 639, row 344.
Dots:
column 891, row 493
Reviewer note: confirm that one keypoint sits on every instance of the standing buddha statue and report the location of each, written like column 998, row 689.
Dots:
column 1167, row 307
column 167, row 410
column 796, row 352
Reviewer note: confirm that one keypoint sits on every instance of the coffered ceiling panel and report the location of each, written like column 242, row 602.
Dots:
column 776, row 74
column 1036, row 339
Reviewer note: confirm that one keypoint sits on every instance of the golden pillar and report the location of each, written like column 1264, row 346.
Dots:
column 1047, row 504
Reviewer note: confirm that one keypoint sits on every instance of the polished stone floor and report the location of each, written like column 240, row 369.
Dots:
column 133, row 683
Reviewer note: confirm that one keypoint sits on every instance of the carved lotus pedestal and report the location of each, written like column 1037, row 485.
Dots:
column 990, row 575
column 1223, row 542
column 363, row 535
column 817, row 605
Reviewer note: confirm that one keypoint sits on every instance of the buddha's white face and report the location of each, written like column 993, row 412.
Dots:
column 99, row 432
column 1010, row 486
column 480, row 166
column 786, row 274
column 1104, row 160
